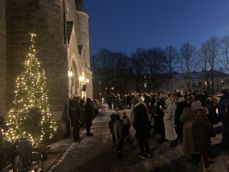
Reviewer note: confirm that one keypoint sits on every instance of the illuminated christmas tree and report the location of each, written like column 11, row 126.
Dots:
column 30, row 117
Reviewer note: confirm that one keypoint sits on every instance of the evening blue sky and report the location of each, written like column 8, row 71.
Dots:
column 125, row 25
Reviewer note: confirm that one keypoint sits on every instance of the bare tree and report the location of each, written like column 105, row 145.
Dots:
column 203, row 63
column 172, row 56
column 155, row 62
column 225, row 52
column 187, row 59
column 138, row 63
column 211, row 52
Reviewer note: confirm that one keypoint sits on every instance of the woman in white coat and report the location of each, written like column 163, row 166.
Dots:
column 170, row 132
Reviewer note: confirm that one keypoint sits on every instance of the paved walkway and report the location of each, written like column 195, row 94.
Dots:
column 97, row 154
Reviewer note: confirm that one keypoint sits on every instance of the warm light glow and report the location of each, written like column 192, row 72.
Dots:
column 70, row 74
column 29, row 116
column 81, row 78
column 87, row 81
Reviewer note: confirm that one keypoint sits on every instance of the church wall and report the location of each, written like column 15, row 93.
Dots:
column 83, row 35
column 80, row 36
column 2, row 57
column 83, row 39
column 45, row 18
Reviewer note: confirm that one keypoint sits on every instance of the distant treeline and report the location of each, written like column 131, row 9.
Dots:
column 125, row 73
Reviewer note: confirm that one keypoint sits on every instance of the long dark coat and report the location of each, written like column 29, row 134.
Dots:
column 141, row 121
column 89, row 113
column 202, row 131
column 187, row 117
column 225, row 140
column 178, row 112
column 75, row 112
column 159, row 123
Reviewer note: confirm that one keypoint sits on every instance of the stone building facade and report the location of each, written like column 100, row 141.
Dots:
column 2, row 57
column 62, row 43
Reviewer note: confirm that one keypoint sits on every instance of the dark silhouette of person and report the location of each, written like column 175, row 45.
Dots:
column 142, row 126
column 75, row 114
column 67, row 120
column 89, row 116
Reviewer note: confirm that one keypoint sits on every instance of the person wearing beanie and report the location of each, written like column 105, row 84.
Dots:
column 202, row 132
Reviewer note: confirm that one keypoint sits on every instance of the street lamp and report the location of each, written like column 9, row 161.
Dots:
column 81, row 78
column 70, row 74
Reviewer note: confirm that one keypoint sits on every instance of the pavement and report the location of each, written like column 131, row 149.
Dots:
column 97, row 153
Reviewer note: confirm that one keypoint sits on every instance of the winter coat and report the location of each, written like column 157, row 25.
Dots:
column 111, row 126
column 126, row 124
column 170, row 133
column 89, row 113
column 187, row 143
column 159, row 123
column 179, row 110
column 224, row 101
column 225, row 140
column 118, row 130
column 141, row 121
column 213, row 117
column 202, row 130
column 75, row 112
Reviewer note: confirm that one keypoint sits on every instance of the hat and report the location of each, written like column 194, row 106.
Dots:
column 196, row 105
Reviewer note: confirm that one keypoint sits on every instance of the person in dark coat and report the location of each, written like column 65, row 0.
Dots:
column 224, row 101
column 202, row 132
column 75, row 114
column 118, row 129
column 159, row 123
column 225, row 140
column 67, row 120
column 89, row 116
column 178, row 112
column 111, row 127
column 187, row 118
column 126, row 123
column 142, row 126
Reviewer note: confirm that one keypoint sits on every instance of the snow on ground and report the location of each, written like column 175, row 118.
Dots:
column 97, row 153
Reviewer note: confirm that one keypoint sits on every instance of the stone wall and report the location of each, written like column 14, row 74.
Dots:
column 45, row 18
column 2, row 57
column 83, row 39
column 83, row 35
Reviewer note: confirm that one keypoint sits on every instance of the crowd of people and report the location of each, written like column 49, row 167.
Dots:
column 184, row 119
column 79, row 114
column 179, row 118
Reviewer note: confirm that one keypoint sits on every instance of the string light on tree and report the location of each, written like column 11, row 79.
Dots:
column 29, row 116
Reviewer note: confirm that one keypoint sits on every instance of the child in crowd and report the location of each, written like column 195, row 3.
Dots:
column 126, row 123
column 119, row 135
column 111, row 127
